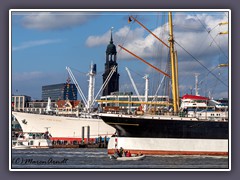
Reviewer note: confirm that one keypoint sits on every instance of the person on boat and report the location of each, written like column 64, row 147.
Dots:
column 128, row 154
column 121, row 152
column 185, row 110
column 116, row 153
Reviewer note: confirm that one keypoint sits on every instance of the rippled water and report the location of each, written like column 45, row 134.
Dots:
column 83, row 158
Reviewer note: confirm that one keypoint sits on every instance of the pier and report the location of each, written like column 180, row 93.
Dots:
column 99, row 142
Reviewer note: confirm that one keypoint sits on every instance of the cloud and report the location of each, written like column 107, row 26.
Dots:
column 55, row 20
column 118, row 36
column 98, row 40
column 199, row 35
column 195, row 33
column 188, row 23
column 30, row 44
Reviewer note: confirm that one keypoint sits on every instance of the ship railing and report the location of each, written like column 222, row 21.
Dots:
column 205, row 115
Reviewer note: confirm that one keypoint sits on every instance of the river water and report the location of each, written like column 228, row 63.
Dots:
column 97, row 159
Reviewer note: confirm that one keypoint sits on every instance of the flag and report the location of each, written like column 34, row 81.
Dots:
column 129, row 19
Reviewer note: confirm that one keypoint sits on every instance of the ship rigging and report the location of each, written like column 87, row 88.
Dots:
column 195, row 129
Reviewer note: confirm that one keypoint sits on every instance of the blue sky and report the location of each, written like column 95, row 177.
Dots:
column 44, row 43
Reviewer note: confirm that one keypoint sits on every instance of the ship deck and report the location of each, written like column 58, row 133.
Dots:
column 160, row 117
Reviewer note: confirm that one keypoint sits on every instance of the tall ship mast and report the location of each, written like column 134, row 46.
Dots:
column 193, row 128
column 174, row 69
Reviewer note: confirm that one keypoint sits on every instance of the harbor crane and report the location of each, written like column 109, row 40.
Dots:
column 77, row 86
column 133, row 83
column 88, row 104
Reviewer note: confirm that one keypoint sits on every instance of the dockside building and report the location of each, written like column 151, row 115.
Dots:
column 63, row 91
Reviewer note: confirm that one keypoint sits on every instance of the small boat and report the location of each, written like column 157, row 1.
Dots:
column 20, row 145
column 132, row 158
column 32, row 140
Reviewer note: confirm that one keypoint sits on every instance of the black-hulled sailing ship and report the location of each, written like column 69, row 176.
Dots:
column 198, row 129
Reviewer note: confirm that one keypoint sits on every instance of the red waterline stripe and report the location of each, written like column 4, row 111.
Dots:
column 159, row 152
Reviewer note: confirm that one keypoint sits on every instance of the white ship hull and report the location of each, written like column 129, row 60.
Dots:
column 62, row 127
column 169, row 146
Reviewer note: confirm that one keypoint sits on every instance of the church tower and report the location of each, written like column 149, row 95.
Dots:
column 111, row 60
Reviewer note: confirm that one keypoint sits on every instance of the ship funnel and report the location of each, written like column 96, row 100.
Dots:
column 91, row 86
column 49, row 108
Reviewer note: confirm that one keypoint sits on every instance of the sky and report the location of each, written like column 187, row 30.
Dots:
column 43, row 43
